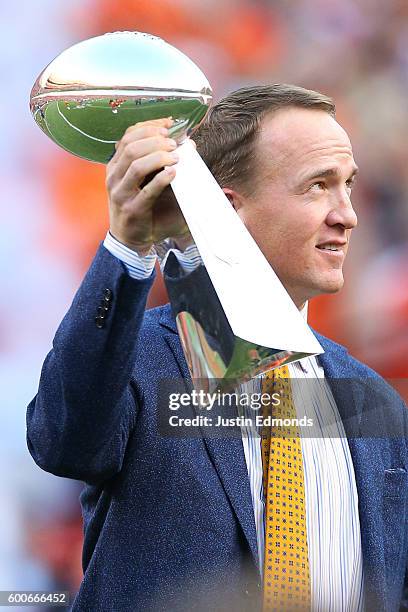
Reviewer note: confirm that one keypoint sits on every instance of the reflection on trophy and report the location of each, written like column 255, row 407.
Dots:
column 84, row 101
column 92, row 92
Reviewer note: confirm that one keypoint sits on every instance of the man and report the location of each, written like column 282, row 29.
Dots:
column 182, row 524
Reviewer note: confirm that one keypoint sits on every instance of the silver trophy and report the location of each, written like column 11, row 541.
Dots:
column 84, row 101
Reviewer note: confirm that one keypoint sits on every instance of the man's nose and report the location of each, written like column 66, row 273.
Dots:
column 342, row 212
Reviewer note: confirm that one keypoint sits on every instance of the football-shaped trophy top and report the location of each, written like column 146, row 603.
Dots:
column 88, row 96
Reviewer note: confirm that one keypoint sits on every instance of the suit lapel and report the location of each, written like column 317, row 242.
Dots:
column 228, row 458
column 349, row 396
column 227, row 454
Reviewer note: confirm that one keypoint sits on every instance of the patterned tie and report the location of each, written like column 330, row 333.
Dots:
column 286, row 569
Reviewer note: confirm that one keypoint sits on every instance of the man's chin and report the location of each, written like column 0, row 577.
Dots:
column 326, row 287
column 331, row 285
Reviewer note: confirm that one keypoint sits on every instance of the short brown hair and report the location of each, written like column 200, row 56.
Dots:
column 226, row 139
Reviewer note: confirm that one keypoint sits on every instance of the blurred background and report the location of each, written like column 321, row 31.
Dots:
column 55, row 214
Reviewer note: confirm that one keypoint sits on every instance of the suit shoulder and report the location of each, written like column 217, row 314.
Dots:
column 152, row 316
column 352, row 368
column 351, row 364
column 155, row 321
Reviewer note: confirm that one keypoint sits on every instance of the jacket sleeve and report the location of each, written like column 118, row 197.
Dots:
column 79, row 422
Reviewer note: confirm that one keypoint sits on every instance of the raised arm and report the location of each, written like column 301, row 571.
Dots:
column 79, row 422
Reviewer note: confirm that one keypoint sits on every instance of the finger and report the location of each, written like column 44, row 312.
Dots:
column 130, row 134
column 139, row 149
column 140, row 133
column 165, row 121
column 140, row 168
column 152, row 190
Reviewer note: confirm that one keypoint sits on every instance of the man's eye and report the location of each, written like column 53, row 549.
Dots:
column 318, row 186
column 350, row 183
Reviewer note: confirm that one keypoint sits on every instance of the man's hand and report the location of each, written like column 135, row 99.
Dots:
column 142, row 207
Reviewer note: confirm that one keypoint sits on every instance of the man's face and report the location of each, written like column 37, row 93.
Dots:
column 299, row 211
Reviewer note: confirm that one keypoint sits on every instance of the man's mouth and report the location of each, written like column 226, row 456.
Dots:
column 332, row 247
column 329, row 247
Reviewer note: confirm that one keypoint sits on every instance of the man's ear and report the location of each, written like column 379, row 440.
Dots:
column 234, row 197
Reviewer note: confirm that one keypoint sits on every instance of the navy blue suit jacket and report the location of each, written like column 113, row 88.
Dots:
column 169, row 522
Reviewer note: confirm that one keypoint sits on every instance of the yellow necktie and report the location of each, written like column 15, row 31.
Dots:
column 286, row 569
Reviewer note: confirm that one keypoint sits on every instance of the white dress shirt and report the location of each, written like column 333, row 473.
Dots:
column 332, row 519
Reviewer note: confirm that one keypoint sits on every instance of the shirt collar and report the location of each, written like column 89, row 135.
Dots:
column 302, row 364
